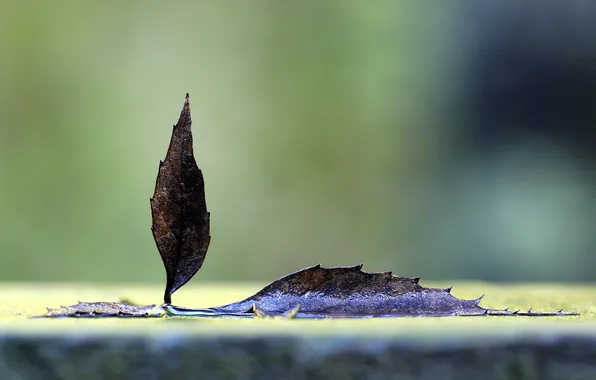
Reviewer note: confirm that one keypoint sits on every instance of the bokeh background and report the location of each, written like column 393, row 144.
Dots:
column 438, row 139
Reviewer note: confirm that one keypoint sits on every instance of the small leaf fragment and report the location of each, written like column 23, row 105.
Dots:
column 178, row 209
column 289, row 314
column 106, row 309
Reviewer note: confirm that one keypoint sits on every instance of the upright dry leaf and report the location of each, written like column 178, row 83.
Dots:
column 180, row 218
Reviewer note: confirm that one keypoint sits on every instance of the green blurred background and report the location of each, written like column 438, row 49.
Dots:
column 437, row 139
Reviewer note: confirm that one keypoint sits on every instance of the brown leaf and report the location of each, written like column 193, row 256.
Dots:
column 180, row 218
column 348, row 291
column 342, row 292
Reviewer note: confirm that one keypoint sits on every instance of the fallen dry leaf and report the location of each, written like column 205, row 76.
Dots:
column 106, row 309
column 348, row 292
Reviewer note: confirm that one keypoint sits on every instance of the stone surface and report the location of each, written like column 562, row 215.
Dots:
column 275, row 357
column 408, row 348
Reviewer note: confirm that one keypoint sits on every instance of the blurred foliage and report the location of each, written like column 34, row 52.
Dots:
column 328, row 132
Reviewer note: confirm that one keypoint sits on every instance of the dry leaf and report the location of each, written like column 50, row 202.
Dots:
column 348, row 292
column 106, row 309
column 180, row 218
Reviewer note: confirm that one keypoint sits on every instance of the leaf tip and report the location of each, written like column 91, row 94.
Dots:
column 186, row 103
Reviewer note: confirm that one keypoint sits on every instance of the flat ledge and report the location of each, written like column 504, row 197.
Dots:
column 407, row 348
